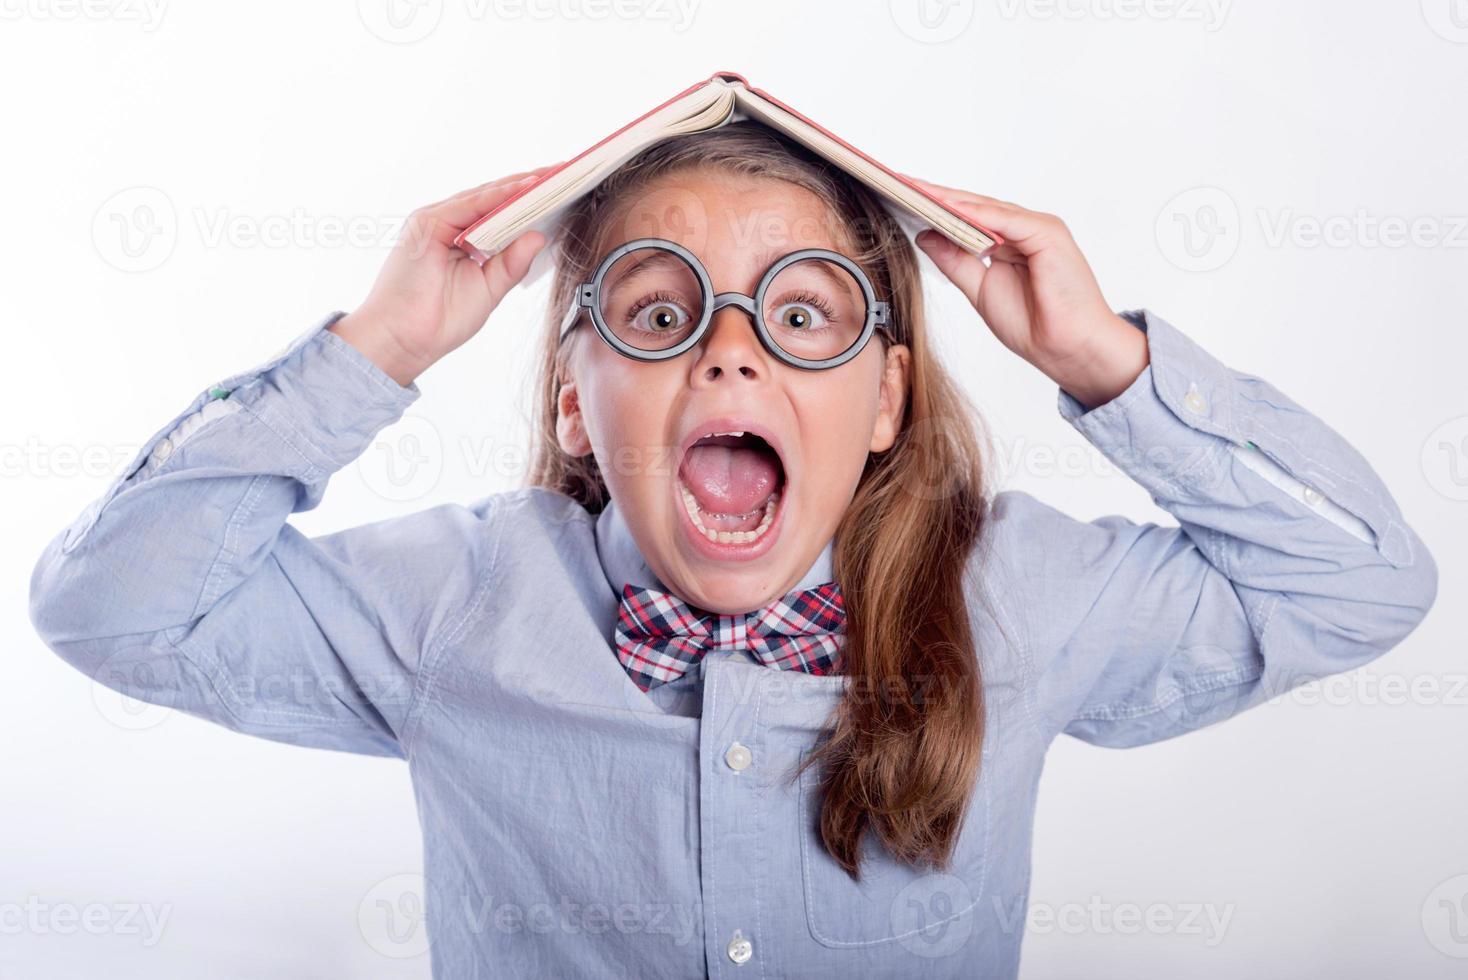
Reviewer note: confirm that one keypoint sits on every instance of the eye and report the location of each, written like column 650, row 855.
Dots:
column 657, row 314
column 801, row 314
column 662, row 317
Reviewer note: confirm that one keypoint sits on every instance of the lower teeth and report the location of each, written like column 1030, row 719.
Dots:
column 730, row 537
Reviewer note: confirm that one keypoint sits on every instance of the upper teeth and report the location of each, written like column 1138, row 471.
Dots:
column 712, row 434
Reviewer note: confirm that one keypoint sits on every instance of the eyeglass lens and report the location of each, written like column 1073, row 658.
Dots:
column 652, row 300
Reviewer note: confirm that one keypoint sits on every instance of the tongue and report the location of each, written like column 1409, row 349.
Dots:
column 729, row 479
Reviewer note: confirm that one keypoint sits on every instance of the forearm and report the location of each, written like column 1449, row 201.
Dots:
column 209, row 493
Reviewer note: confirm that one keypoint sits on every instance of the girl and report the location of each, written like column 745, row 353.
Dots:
column 754, row 677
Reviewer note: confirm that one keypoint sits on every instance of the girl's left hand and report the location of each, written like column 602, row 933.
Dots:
column 1039, row 297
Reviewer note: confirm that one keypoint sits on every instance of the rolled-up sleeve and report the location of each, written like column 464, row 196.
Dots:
column 1290, row 560
column 184, row 585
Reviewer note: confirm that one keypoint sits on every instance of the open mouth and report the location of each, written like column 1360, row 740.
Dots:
column 731, row 484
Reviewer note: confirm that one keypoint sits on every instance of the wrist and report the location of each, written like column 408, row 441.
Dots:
column 380, row 347
column 1107, row 366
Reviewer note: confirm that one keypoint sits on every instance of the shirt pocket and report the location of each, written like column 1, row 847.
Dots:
column 893, row 902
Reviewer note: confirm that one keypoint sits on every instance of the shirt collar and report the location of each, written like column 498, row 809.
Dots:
column 622, row 561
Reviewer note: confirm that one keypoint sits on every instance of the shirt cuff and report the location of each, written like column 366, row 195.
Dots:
column 319, row 396
column 1187, row 416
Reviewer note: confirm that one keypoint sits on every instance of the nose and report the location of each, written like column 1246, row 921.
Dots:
column 730, row 348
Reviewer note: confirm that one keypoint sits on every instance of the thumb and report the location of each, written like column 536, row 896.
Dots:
column 508, row 266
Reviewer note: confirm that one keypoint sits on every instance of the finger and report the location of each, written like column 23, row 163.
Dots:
column 442, row 223
column 508, row 266
column 463, row 209
column 944, row 192
column 1026, row 232
column 964, row 269
column 507, row 179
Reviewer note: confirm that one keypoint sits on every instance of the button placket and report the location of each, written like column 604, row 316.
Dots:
column 733, row 816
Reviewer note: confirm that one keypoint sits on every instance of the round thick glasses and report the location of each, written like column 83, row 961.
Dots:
column 651, row 299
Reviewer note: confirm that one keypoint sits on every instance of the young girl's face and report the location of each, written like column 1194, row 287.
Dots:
column 777, row 499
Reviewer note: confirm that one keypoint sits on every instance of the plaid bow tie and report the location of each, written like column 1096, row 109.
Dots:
column 659, row 636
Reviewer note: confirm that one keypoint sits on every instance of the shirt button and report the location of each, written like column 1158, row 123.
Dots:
column 1312, row 496
column 163, row 450
column 740, row 949
column 1195, row 401
column 739, row 757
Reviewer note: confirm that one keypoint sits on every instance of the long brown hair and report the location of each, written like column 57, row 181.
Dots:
column 901, row 752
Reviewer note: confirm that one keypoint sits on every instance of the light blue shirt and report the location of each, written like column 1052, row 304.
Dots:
column 575, row 826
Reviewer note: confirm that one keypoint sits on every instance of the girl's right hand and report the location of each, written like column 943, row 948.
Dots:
column 431, row 297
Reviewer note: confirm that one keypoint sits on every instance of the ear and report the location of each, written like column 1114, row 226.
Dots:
column 570, row 423
column 893, row 397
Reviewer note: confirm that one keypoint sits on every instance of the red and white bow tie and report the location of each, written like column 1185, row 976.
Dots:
column 659, row 636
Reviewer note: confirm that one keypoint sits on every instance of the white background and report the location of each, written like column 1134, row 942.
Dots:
column 1193, row 149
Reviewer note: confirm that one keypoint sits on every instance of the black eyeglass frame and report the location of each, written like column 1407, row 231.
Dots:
column 588, row 299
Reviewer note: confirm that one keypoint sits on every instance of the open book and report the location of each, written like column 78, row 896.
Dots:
column 719, row 99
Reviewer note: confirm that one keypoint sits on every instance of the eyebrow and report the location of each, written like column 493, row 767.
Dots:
column 657, row 258
column 839, row 279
